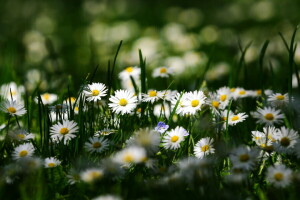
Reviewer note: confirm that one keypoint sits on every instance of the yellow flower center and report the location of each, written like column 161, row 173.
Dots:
column 280, row 97
column 174, row 138
column 215, row 104
column 205, row 148
column 242, row 92
column 128, row 158
column 224, row 118
column 285, row 141
column 244, row 157
column 163, row 70
column 269, row 116
column 258, row 92
column 95, row 92
column 223, row 97
column 76, row 108
column 278, row 176
column 123, row 102
column 139, row 110
column 129, row 69
column 11, row 110
column 95, row 175
column 64, row 131
column 152, row 93
column 46, row 96
column 21, row 136
column 23, row 153
column 194, row 103
column 232, row 90
column 234, row 118
column 97, row 145
column 13, row 92
column 51, row 165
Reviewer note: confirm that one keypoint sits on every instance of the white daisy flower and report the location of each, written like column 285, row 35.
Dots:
column 167, row 95
column 244, row 157
column 175, row 99
column 130, row 71
column 64, row 131
column 240, row 93
column 174, row 137
column 130, row 155
column 268, row 116
column 107, row 197
column 13, row 108
column 193, row 102
column 94, row 91
column 96, row 145
column 21, row 135
column 73, row 177
column 151, row 96
column 214, row 102
column 279, row 175
column 12, row 92
column 23, row 151
column 278, row 99
column 69, row 100
column 204, row 147
column 51, row 162
column 162, row 110
column 234, row 119
column 105, row 131
column 47, row 98
column 285, row 140
column 91, row 175
column 123, row 102
column 224, row 94
column 163, row 72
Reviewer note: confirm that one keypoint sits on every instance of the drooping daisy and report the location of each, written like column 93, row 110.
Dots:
column 163, row 72
column 285, row 140
column 130, row 155
column 278, row 99
column 244, row 157
column 94, row 91
column 174, row 137
column 162, row 110
column 161, row 127
column 279, row 175
column 47, row 98
column 13, row 108
column 21, row 135
column 193, row 102
column 64, row 131
column 204, row 147
column 234, row 119
column 51, row 162
column 130, row 71
column 123, row 102
column 91, row 175
column 96, row 145
column 151, row 96
column 23, row 151
column 268, row 116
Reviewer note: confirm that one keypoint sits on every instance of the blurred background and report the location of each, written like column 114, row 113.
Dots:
column 54, row 42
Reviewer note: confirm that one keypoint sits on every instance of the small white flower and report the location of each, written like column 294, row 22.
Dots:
column 173, row 138
column 130, row 71
column 13, row 108
column 234, row 119
column 193, row 102
column 95, row 91
column 167, row 95
column 241, row 93
column 51, row 162
column 224, row 94
column 278, row 99
column 104, row 132
column 96, row 145
column 285, row 140
column 130, row 155
column 47, row 98
column 23, row 151
column 162, row 110
column 279, row 175
column 244, row 157
column 64, row 131
column 163, row 72
column 151, row 96
column 91, row 175
column 21, row 135
column 204, row 147
column 123, row 102
column 268, row 116
column 12, row 92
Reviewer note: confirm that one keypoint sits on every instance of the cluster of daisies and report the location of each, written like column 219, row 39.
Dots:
column 144, row 145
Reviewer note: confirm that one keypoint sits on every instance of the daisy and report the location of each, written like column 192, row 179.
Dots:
column 130, row 155
column 94, row 91
column 96, row 145
column 268, row 116
column 214, row 102
column 151, row 96
column 69, row 100
column 167, row 95
column 279, row 175
column 12, row 91
column 105, row 131
column 234, row 119
column 23, row 151
column 13, row 108
column 161, row 127
column 107, row 197
column 240, row 93
column 64, row 131
column 193, row 102
column 73, row 177
column 91, row 175
column 204, row 147
column 224, row 94
column 285, row 140
column 278, row 99
column 123, row 102
column 47, row 98
column 21, row 135
column 30, row 164
column 51, row 162
column 163, row 72
column 244, row 157
column 178, row 98
column 173, row 138
column 130, row 71
column 162, row 110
